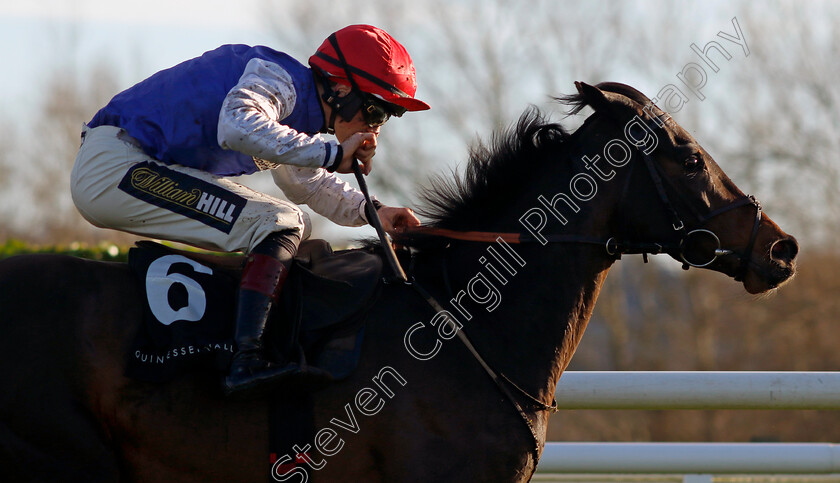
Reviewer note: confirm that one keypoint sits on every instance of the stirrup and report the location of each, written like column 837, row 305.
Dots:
column 264, row 378
column 255, row 377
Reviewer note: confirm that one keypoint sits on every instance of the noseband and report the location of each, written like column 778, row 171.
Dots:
column 686, row 236
column 616, row 247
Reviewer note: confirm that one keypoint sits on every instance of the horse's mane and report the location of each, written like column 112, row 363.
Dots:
column 497, row 172
column 494, row 175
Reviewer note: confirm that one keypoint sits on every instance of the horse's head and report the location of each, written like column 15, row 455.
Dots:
column 675, row 193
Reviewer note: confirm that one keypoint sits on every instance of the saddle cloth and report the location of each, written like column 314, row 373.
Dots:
column 190, row 303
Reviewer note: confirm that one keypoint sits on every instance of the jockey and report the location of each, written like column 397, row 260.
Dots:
column 156, row 161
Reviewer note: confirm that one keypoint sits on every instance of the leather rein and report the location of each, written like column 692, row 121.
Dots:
column 613, row 246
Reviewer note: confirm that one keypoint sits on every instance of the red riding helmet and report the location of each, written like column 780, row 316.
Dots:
column 378, row 64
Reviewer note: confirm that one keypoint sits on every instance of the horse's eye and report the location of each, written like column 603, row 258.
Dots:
column 692, row 163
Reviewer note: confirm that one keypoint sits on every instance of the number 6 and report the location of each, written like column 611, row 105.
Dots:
column 159, row 281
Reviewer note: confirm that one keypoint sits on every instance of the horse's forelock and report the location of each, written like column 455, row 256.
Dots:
column 575, row 102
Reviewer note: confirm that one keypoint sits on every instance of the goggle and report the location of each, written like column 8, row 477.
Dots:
column 376, row 112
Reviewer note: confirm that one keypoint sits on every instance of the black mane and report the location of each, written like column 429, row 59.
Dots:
column 495, row 174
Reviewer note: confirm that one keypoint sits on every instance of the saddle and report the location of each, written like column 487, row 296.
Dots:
column 190, row 309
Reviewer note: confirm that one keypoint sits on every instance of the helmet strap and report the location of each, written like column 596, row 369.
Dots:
column 331, row 124
column 351, row 70
column 329, row 97
column 344, row 65
column 346, row 106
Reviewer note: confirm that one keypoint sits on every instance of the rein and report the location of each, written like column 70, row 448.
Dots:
column 497, row 377
column 679, row 226
column 399, row 276
column 611, row 245
column 615, row 247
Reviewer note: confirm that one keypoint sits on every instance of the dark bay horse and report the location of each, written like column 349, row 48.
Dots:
column 519, row 249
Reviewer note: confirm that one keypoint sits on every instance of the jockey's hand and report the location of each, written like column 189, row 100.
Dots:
column 360, row 146
column 396, row 219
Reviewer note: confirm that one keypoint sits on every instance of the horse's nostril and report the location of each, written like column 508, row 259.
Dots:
column 784, row 250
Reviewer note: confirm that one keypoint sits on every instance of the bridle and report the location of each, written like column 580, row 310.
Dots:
column 616, row 247
column 613, row 246
column 702, row 219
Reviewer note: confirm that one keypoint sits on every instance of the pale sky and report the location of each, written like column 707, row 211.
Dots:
column 209, row 13
column 137, row 37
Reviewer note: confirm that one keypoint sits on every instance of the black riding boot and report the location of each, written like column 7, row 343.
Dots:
column 248, row 368
column 262, row 279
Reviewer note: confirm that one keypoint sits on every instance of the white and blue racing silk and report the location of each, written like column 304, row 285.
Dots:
column 236, row 110
column 233, row 110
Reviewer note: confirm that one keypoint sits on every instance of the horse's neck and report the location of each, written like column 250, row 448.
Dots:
column 529, row 327
column 534, row 329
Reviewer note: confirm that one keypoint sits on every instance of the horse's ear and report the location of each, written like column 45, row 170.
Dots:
column 606, row 102
column 591, row 94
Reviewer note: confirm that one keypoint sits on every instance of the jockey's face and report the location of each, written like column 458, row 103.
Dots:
column 345, row 129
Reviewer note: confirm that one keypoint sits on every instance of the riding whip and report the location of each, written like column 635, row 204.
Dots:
column 373, row 219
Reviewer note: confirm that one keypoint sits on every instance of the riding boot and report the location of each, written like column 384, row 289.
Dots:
column 265, row 272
